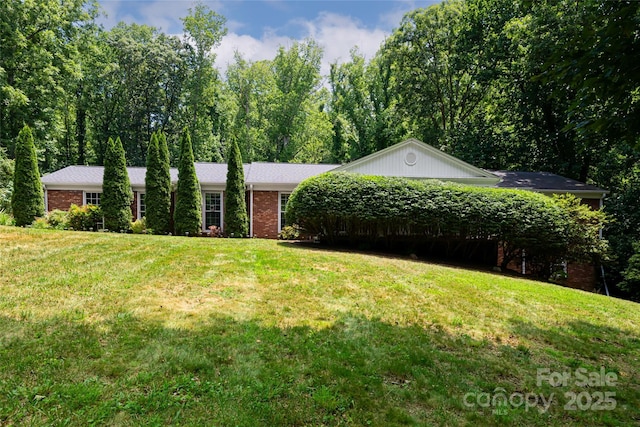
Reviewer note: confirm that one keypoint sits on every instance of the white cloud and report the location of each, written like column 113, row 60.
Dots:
column 391, row 20
column 336, row 34
column 251, row 48
column 165, row 15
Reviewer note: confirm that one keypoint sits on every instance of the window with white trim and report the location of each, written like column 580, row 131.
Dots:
column 284, row 198
column 142, row 207
column 92, row 198
column 212, row 210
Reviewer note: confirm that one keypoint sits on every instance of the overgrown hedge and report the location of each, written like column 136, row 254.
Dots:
column 357, row 208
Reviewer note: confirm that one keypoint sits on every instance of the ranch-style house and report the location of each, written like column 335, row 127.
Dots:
column 268, row 186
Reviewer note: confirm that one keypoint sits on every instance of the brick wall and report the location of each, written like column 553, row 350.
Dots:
column 63, row 199
column 265, row 214
column 581, row 276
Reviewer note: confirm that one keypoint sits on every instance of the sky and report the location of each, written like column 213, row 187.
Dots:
column 256, row 28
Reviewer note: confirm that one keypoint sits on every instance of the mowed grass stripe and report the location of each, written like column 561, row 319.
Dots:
column 114, row 329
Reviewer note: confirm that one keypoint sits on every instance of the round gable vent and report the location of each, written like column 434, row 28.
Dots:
column 411, row 158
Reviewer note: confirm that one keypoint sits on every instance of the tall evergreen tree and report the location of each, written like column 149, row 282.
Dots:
column 158, row 186
column 27, row 200
column 188, row 212
column 235, row 211
column 163, row 150
column 116, row 188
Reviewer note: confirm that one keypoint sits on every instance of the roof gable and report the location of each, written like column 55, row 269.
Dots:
column 415, row 159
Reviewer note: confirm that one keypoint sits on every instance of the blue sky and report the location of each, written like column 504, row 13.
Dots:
column 256, row 28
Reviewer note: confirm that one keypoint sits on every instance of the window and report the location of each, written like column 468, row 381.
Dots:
column 212, row 210
column 284, row 198
column 142, row 207
column 92, row 198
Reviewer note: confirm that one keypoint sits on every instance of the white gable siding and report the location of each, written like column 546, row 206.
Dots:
column 414, row 159
column 397, row 164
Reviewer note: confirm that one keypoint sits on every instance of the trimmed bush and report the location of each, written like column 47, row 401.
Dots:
column 116, row 189
column 84, row 218
column 235, row 211
column 187, row 216
column 374, row 209
column 27, row 200
column 289, row 232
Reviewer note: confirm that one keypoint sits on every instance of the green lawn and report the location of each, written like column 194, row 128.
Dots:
column 130, row 329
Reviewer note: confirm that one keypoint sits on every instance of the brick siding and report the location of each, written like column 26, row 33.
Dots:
column 63, row 199
column 265, row 214
column 579, row 275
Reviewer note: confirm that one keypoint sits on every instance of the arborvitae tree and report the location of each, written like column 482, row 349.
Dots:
column 163, row 150
column 165, row 176
column 235, row 211
column 158, row 186
column 187, row 215
column 27, row 201
column 116, row 188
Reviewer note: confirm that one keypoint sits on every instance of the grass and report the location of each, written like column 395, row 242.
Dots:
column 109, row 329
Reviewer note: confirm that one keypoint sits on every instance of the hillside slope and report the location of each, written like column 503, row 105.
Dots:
column 132, row 329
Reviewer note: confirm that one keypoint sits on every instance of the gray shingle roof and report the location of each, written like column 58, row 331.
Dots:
column 92, row 176
column 284, row 173
column 294, row 173
column 543, row 181
column 208, row 174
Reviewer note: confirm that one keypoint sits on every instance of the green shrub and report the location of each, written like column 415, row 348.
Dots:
column 289, row 232
column 6, row 218
column 57, row 219
column 86, row 217
column 40, row 223
column 631, row 275
column 366, row 209
column 139, row 226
